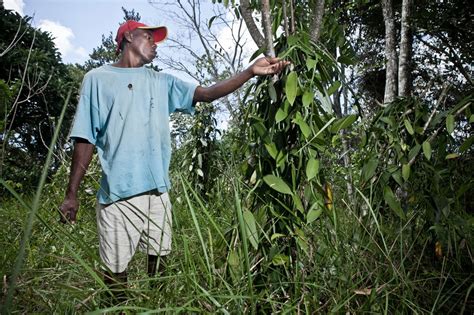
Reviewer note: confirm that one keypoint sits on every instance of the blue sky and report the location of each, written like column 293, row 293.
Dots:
column 78, row 25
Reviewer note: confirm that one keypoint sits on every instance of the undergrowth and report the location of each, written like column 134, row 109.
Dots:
column 360, row 262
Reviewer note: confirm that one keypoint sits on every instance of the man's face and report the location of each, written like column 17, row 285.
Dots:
column 142, row 45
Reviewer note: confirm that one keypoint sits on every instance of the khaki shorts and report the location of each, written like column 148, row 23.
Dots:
column 143, row 221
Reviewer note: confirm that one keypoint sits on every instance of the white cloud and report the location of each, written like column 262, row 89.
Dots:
column 63, row 39
column 15, row 5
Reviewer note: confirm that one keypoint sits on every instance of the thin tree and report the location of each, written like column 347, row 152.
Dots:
column 390, row 52
column 267, row 28
column 406, row 40
column 317, row 19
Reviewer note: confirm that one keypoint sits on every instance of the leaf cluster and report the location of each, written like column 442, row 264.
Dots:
column 34, row 84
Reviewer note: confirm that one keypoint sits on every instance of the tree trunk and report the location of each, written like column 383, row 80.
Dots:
column 390, row 52
column 406, row 40
column 345, row 143
column 285, row 19
column 317, row 19
column 246, row 13
column 292, row 18
column 267, row 28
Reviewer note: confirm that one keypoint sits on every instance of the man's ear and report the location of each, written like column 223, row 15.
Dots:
column 128, row 36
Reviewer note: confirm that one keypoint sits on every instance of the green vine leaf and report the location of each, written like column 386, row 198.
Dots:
column 272, row 92
column 450, row 123
column 452, row 156
column 277, row 184
column 280, row 115
column 251, row 228
column 427, row 149
column 310, row 63
column 409, row 127
column 392, row 202
column 291, row 87
column 333, row 88
column 297, row 202
column 368, row 170
column 414, row 152
column 272, row 149
column 280, row 259
column 343, row 123
column 307, row 98
column 406, row 171
column 312, row 168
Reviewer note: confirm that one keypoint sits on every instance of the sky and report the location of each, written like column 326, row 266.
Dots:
column 77, row 25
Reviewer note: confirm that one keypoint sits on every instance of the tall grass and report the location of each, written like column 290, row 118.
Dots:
column 368, row 262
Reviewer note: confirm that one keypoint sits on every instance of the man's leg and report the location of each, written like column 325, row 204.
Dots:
column 119, row 226
column 154, row 265
column 156, row 241
column 117, row 283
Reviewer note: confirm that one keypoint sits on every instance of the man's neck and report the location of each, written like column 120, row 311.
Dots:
column 127, row 60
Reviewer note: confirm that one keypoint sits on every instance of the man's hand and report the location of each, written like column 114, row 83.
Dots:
column 68, row 210
column 262, row 66
column 81, row 159
column 268, row 65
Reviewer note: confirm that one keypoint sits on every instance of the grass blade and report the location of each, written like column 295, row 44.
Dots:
column 33, row 212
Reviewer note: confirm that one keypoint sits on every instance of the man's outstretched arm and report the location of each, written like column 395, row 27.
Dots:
column 81, row 159
column 263, row 66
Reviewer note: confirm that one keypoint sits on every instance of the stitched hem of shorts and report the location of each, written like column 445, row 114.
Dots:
column 154, row 252
column 121, row 268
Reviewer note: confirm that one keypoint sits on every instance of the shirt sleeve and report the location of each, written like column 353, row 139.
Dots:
column 86, row 121
column 180, row 95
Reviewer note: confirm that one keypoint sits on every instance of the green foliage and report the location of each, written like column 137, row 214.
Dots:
column 199, row 149
column 104, row 54
column 430, row 182
column 291, row 131
column 33, row 86
column 442, row 46
column 363, row 264
column 282, row 232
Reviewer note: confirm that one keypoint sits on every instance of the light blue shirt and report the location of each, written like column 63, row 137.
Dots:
column 125, row 112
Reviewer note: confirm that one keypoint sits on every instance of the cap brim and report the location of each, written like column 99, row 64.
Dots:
column 160, row 33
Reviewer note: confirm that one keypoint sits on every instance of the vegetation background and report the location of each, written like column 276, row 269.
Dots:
column 343, row 185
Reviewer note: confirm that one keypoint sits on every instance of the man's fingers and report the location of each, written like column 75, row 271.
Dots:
column 278, row 67
column 72, row 216
column 273, row 60
column 274, row 65
column 62, row 215
column 67, row 215
column 277, row 60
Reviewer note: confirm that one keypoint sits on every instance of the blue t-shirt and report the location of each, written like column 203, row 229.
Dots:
column 124, row 112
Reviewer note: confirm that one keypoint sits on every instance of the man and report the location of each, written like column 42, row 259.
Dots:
column 124, row 112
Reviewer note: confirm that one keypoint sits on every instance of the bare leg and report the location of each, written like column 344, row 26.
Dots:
column 153, row 265
column 117, row 283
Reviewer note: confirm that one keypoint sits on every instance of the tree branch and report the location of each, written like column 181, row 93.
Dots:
column 246, row 13
column 434, row 134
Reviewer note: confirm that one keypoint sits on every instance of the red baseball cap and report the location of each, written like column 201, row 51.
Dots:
column 159, row 32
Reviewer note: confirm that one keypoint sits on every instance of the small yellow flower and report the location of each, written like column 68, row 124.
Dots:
column 438, row 250
column 328, row 199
